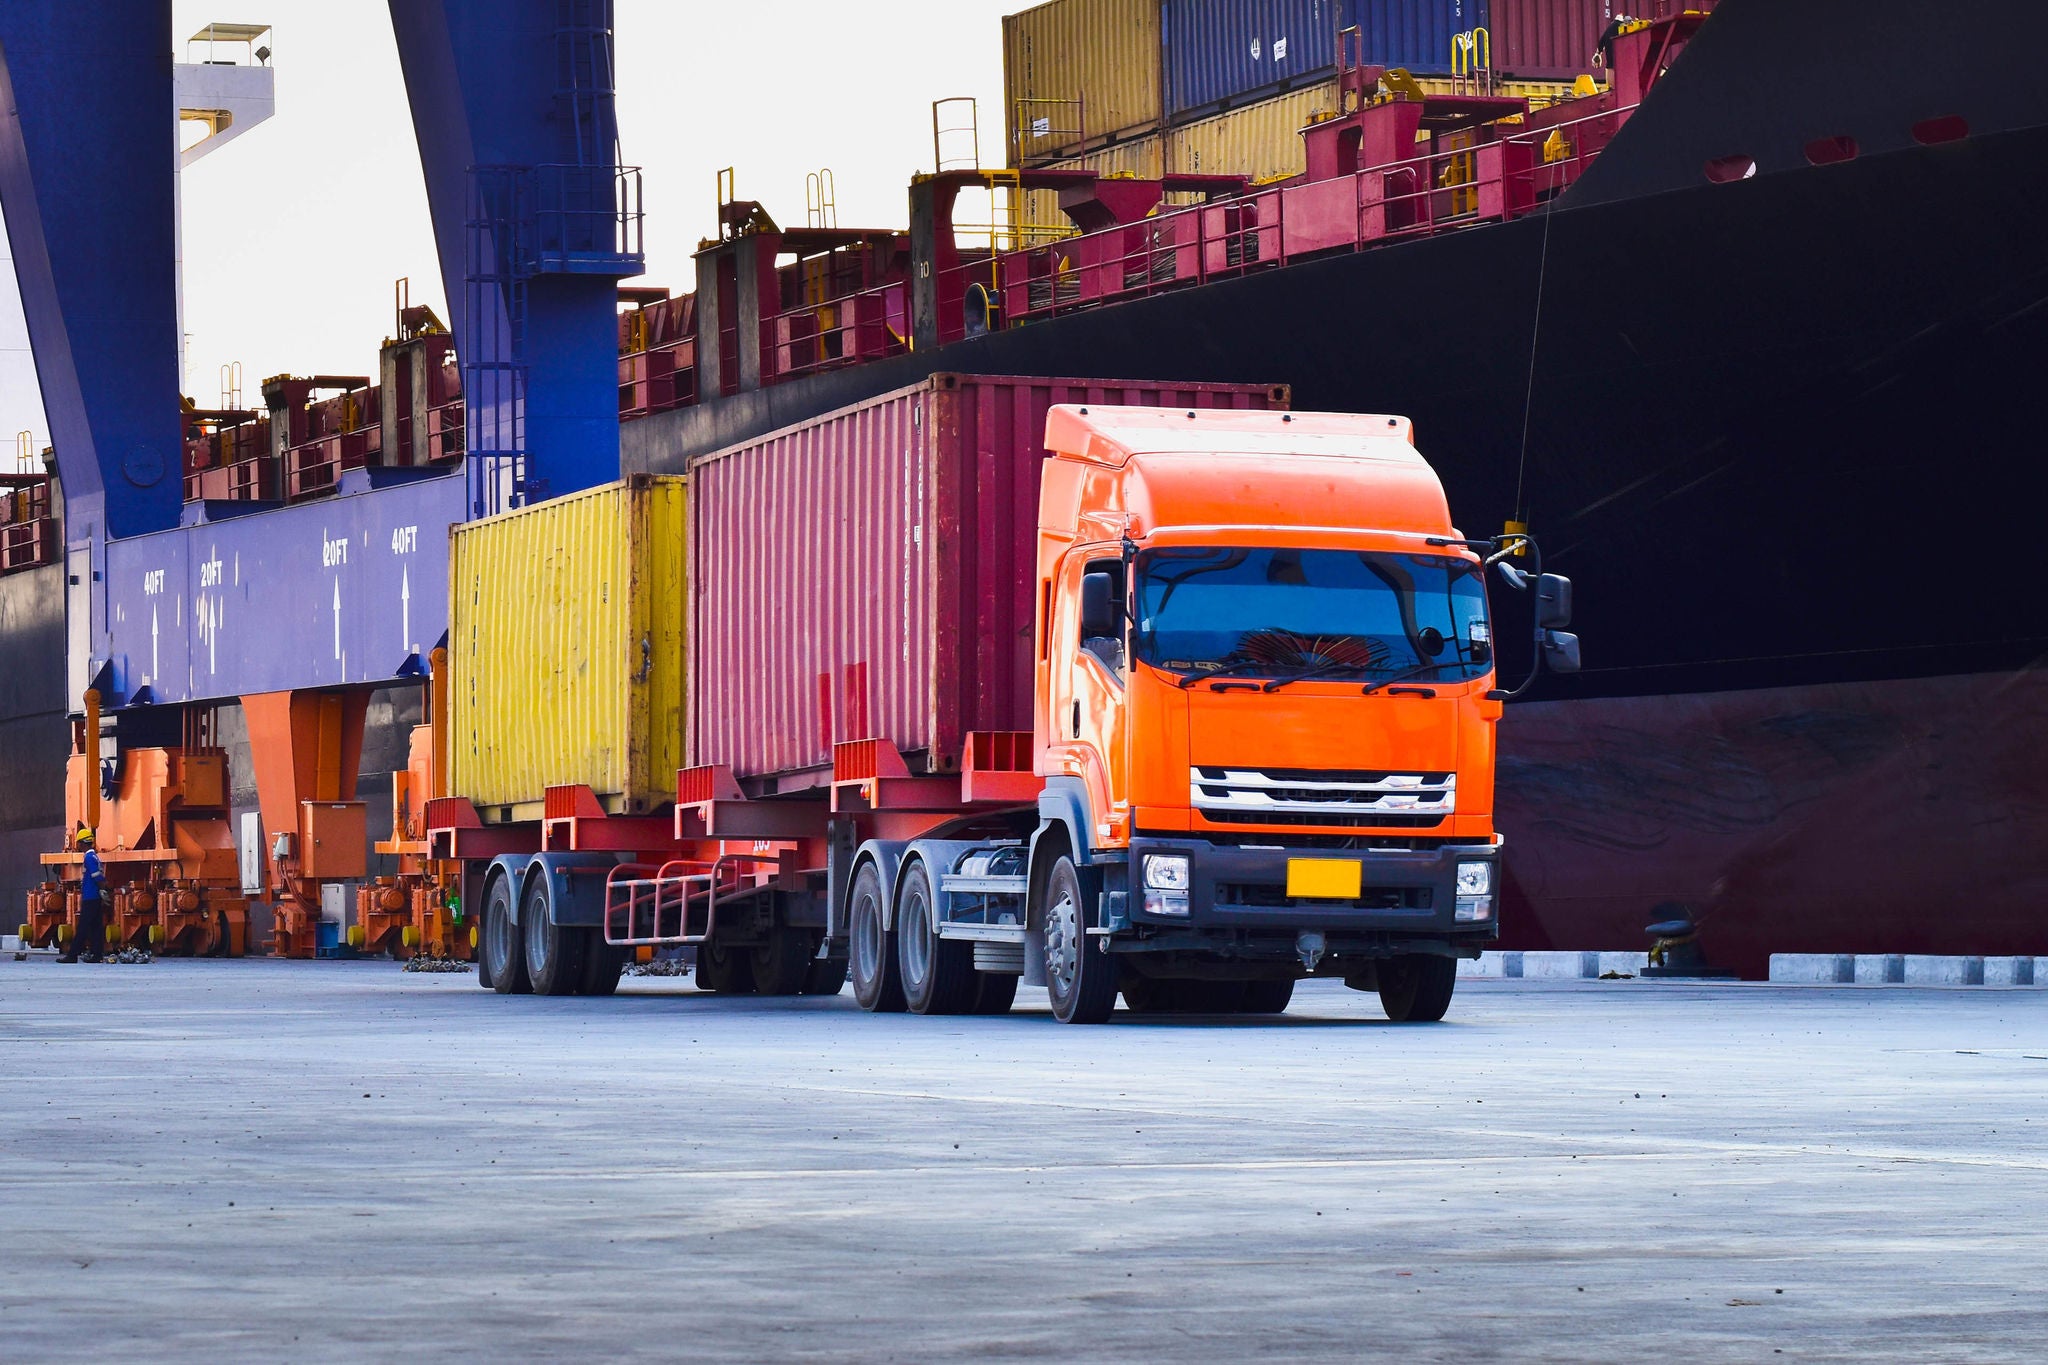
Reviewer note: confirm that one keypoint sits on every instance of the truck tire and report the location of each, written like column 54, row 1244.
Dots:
column 724, row 971
column 1267, row 997
column 554, row 954
column 783, row 963
column 938, row 974
column 1415, row 988
column 825, row 976
column 994, row 993
column 602, row 965
column 871, row 949
column 1081, row 980
column 503, row 954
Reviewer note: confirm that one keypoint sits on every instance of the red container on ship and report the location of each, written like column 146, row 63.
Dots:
column 868, row 574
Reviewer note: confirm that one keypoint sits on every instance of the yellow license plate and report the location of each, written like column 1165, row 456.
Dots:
column 1334, row 879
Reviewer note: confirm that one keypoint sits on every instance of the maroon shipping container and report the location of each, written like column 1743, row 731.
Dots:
column 1553, row 39
column 868, row 574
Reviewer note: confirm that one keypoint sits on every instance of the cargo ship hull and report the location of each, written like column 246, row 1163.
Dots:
column 1770, row 430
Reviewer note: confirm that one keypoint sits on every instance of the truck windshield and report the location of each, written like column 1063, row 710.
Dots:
column 1273, row 613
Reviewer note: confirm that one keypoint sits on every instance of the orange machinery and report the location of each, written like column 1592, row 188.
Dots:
column 306, row 748
column 161, row 820
column 419, row 912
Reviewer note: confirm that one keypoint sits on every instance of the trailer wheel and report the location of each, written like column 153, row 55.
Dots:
column 602, row 965
column 554, row 954
column 994, row 992
column 783, row 963
column 1267, row 997
column 724, row 971
column 825, row 976
column 1081, row 980
column 1415, row 988
column 938, row 974
column 503, row 955
column 871, row 949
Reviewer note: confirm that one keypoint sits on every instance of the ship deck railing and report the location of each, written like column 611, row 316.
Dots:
column 1430, row 195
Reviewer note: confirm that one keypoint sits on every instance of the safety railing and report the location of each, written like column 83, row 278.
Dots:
column 645, row 912
column 1444, row 191
column 28, row 531
column 869, row 325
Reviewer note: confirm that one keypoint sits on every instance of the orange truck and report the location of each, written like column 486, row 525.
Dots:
column 1265, row 713
column 994, row 682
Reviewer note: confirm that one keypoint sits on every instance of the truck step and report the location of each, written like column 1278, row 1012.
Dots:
column 999, row 957
column 984, row 933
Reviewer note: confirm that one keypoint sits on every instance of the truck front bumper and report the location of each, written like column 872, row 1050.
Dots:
column 1402, row 893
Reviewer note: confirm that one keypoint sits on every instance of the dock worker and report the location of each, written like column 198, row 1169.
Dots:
column 90, row 941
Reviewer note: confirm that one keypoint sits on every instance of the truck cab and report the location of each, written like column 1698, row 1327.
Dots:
column 1265, row 714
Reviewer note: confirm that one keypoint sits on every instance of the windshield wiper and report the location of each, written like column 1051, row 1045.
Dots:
column 1316, row 670
column 1228, row 670
column 1414, row 672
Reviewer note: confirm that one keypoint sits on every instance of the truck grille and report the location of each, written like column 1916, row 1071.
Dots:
column 1263, row 896
column 1319, row 796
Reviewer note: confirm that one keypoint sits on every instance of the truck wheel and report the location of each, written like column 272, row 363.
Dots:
column 938, row 974
column 554, row 954
column 724, row 971
column 1267, row 997
column 602, row 965
column 994, row 992
column 825, row 976
column 1080, row 979
column 871, row 950
column 783, row 963
column 504, row 956
column 1415, row 988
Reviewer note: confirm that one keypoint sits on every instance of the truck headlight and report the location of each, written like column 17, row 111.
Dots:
column 1475, row 893
column 1166, row 871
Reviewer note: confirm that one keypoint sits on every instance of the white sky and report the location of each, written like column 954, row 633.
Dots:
column 295, row 231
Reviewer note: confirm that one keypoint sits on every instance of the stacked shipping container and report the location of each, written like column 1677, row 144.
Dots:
column 1218, row 56
column 1079, row 73
column 1230, row 82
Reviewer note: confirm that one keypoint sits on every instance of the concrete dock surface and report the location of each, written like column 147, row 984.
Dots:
column 337, row 1161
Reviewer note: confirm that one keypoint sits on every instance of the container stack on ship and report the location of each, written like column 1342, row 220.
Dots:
column 1726, row 302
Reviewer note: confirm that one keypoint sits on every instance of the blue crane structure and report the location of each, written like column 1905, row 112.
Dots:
column 535, row 222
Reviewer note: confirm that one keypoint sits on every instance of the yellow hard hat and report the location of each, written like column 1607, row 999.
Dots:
column 83, row 838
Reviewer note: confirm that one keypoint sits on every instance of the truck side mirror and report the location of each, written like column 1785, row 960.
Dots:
column 1560, row 650
column 1553, row 601
column 1098, row 606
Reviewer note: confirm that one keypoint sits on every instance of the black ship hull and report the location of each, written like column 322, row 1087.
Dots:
column 1778, row 433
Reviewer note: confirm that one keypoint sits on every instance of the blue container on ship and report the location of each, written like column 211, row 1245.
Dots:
column 1219, row 54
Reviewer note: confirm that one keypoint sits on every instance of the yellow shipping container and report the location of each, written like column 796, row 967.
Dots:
column 565, row 649
column 1140, row 159
column 1261, row 141
column 1078, row 72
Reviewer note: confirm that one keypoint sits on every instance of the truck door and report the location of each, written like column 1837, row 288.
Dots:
column 1088, row 673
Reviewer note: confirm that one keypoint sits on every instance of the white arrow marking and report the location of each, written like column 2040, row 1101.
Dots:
column 213, row 635
column 155, row 669
column 405, row 607
column 337, row 618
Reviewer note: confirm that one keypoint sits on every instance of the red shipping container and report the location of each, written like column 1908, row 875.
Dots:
column 869, row 573
column 1553, row 39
